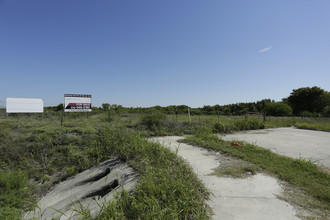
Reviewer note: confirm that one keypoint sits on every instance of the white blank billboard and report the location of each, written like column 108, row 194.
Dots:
column 24, row 105
column 77, row 103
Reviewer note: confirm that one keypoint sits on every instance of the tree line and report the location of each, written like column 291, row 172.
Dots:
column 305, row 101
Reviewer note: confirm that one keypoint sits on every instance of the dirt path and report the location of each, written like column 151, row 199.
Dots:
column 250, row 198
column 292, row 142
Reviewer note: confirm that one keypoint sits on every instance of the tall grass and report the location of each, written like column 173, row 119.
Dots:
column 322, row 124
column 44, row 152
column 15, row 194
column 167, row 188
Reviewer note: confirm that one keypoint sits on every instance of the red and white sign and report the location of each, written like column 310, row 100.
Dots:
column 77, row 103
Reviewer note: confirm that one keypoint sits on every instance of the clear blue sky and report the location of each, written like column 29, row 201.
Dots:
column 163, row 52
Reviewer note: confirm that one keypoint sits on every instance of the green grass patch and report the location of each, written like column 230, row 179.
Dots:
column 321, row 127
column 15, row 194
column 236, row 171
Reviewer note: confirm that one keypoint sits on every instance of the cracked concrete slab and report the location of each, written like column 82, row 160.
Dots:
column 254, row 197
column 90, row 189
column 291, row 142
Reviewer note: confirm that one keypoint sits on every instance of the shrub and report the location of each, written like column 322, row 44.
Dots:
column 248, row 124
column 218, row 127
column 153, row 121
column 308, row 114
column 278, row 109
column 326, row 111
column 179, row 128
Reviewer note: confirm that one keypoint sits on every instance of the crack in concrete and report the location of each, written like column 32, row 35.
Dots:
column 87, row 190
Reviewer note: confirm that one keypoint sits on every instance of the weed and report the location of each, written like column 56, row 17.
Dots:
column 219, row 127
column 153, row 121
column 15, row 194
column 236, row 171
column 248, row 124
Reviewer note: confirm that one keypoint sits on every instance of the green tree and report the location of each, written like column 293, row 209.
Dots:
column 60, row 107
column 206, row 109
column 278, row 109
column 260, row 105
column 307, row 99
column 105, row 105
column 326, row 111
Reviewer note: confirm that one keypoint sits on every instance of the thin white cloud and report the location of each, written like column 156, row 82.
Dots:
column 265, row 49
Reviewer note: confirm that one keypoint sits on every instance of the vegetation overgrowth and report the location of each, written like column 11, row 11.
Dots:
column 37, row 152
column 305, row 102
column 298, row 172
column 168, row 189
column 314, row 124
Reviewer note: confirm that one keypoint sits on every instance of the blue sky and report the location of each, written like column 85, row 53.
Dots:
column 163, row 52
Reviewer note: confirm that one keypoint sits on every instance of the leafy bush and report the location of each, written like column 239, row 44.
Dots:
column 326, row 111
column 248, row 124
column 308, row 114
column 219, row 127
column 278, row 109
column 153, row 121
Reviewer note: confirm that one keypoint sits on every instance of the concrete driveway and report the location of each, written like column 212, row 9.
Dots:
column 252, row 198
column 292, row 142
